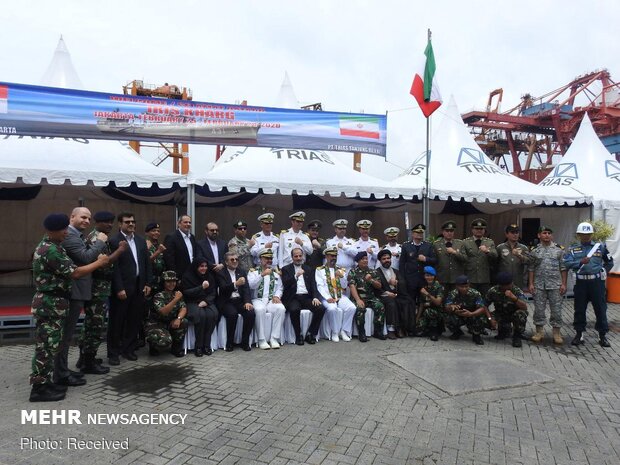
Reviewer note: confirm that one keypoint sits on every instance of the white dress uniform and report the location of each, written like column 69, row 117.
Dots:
column 287, row 243
column 263, row 304
column 396, row 250
column 339, row 314
column 346, row 254
column 362, row 246
column 261, row 239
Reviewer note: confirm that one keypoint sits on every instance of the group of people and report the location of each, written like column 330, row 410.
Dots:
column 152, row 289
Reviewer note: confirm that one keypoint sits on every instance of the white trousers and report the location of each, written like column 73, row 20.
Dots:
column 277, row 318
column 340, row 315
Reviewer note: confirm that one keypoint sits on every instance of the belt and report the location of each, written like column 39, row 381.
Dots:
column 58, row 293
column 588, row 276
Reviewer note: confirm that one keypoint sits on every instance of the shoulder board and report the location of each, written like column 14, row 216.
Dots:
column 561, row 247
column 277, row 235
column 306, row 234
column 283, row 231
column 406, row 242
column 251, row 269
column 320, row 267
column 256, row 235
column 374, row 239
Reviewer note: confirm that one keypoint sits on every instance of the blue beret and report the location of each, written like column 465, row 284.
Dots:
column 430, row 270
column 56, row 222
column 104, row 216
column 461, row 279
column 360, row 255
column 503, row 277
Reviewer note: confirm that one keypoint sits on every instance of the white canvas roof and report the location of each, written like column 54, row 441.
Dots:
column 34, row 160
column 288, row 171
column 459, row 169
column 588, row 167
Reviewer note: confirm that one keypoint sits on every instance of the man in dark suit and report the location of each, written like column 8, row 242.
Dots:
column 235, row 299
column 131, row 283
column 81, row 255
column 181, row 248
column 300, row 292
column 213, row 248
column 399, row 311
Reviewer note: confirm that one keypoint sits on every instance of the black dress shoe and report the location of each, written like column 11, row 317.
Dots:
column 516, row 341
column 71, row 381
column 77, row 374
column 131, row 356
column 153, row 351
column 178, row 353
column 57, row 387
column 578, row 339
column 603, row 341
column 246, row 347
column 208, row 351
column 434, row 337
column 310, row 339
column 198, row 352
column 114, row 360
column 229, row 348
column 299, row 341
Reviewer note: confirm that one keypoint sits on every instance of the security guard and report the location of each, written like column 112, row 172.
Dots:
column 294, row 237
column 366, row 243
column 481, row 256
column 451, row 257
column 344, row 245
column 265, row 238
column 391, row 235
column 590, row 262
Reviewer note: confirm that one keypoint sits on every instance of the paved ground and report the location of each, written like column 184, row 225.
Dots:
column 345, row 403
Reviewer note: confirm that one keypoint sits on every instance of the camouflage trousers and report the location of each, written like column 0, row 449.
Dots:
column 377, row 307
column 94, row 324
column 162, row 335
column 475, row 325
column 431, row 319
column 511, row 318
column 553, row 297
column 49, row 312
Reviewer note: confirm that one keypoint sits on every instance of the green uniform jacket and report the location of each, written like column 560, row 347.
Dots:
column 479, row 263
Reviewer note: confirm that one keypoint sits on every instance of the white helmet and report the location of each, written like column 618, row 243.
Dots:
column 585, row 228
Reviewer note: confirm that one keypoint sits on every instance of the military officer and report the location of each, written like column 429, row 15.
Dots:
column 451, row 257
column 431, row 313
column 331, row 282
column 156, row 254
column 344, row 245
column 241, row 246
column 294, row 237
column 363, row 281
column 53, row 272
column 366, row 243
column 318, row 244
column 513, row 256
column 266, row 286
column 590, row 261
column 391, row 235
column 167, row 324
column 510, row 308
column 547, row 283
column 465, row 306
column 481, row 256
column 265, row 238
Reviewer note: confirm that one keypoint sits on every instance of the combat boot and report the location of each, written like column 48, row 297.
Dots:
column 516, row 340
column 539, row 335
column 502, row 333
column 557, row 337
column 153, row 350
column 578, row 339
column 379, row 332
column 361, row 333
column 92, row 367
column 456, row 335
column 44, row 393
column 477, row 338
column 80, row 361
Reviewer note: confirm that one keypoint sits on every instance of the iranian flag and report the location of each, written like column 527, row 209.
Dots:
column 355, row 126
column 424, row 87
column 4, row 96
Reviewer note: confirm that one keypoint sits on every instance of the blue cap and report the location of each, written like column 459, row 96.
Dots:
column 430, row 270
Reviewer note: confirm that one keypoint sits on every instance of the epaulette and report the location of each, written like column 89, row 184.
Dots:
column 308, row 235
column 256, row 235
column 251, row 269
column 320, row 267
column 374, row 239
column 283, row 231
column 277, row 235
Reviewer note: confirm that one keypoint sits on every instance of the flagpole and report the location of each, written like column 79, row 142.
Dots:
column 426, row 198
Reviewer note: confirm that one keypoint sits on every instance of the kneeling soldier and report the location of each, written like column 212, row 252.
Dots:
column 465, row 306
column 510, row 308
column 167, row 325
column 431, row 313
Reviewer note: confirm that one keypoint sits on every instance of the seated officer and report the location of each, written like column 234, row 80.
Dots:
column 363, row 282
column 167, row 325
column 465, row 306
column 510, row 308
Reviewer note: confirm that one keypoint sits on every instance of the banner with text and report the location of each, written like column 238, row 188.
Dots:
column 53, row 112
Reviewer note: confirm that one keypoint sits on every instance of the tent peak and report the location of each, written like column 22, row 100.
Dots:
column 286, row 96
column 61, row 72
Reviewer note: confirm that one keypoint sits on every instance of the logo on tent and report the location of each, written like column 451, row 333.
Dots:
column 612, row 169
column 475, row 161
column 562, row 175
column 418, row 166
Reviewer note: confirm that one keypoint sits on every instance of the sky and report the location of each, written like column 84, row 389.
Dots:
column 357, row 56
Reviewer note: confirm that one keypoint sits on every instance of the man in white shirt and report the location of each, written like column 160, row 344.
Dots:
column 391, row 234
column 266, row 289
column 366, row 243
column 265, row 239
column 345, row 245
column 331, row 282
column 294, row 237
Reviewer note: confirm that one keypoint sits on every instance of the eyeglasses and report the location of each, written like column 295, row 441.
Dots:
column 129, row 221
column 233, row 259
column 213, row 230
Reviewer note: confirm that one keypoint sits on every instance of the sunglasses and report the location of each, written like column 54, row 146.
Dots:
column 242, row 229
column 129, row 221
column 233, row 259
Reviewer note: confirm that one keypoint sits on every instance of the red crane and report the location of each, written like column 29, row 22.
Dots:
column 539, row 128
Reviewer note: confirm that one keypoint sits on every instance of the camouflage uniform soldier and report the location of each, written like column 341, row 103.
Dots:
column 481, row 256
column 451, row 257
column 53, row 272
column 510, row 308
column 431, row 305
column 241, row 246
column 465, row 306
column 513, row 256
column 362, row 283
column 547, row 283
column 167, row 324
column 156, row 255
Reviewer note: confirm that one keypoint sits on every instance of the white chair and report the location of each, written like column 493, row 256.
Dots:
column 190, row 338
column 288, row 333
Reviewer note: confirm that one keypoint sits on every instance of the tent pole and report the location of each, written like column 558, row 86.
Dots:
column 425, row 198
column 191, row 205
